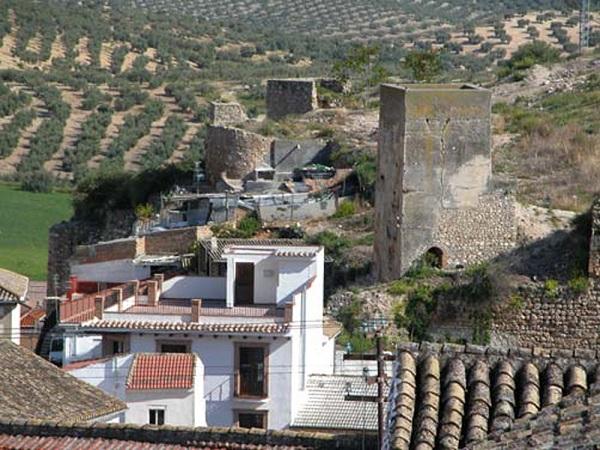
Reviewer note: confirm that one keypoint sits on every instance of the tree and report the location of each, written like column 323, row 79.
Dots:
column 361, row 64
column 424, row 65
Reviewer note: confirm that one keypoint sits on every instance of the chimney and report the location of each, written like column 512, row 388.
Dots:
column 153, row 292
column 99, row 307
column 160, row 277
column 196, row 306
column 288, row 315
column 213, row 243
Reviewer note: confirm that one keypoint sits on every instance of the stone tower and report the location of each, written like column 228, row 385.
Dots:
column 434, row 168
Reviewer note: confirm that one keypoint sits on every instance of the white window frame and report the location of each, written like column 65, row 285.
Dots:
column 157, row 408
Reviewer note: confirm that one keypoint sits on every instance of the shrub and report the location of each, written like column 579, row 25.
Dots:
column 38, row 181
column 578, row 284
column 345, row 209
column 334, row 245
column 400, row 287
column 516, row 302
column 551, row 288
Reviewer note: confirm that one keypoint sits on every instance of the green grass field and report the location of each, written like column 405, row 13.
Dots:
column 25, row 218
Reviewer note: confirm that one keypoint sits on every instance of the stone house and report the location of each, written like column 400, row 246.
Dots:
column 258, row 331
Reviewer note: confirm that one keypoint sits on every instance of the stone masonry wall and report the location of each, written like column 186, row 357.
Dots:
column 594, row 256
column 434, row 159
column 290, row 96
column 226, row 113
column 477, row 234
column 567, row 321
column 64, row 237
column 233, row 152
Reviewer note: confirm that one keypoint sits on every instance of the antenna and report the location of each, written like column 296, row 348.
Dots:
column 584, row 25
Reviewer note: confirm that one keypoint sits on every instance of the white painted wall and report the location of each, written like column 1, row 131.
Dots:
column 81, row 347
column 276, row 279
column 194, row 287
column 10, row 321
column 118, row 271
column 218, row 355
column 181, row 405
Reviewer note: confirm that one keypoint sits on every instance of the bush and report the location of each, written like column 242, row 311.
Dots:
column 345, row 209
column 551, row 288
column 334, row 245
column 38, row 181
column 578, row 284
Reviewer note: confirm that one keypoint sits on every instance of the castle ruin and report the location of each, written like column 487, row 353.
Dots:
column 434, row 191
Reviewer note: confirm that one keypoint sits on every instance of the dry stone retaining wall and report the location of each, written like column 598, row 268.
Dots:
column 567, row 321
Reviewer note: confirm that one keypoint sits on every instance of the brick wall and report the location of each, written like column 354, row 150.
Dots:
column 174, row 241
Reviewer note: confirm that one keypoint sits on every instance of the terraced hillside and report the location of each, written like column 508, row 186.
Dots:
column 122, row 84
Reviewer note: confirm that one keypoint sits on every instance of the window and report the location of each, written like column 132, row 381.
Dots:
column 115, row 344
column 173, row 346
column 251, row 370
column 156, row 416
column 251, row 419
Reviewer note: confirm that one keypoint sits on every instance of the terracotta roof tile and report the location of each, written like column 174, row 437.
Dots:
column 246, row 327
column 162, row 371
column 452, row 396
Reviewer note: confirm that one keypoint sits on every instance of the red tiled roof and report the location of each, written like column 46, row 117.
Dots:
column 31, row 317
column 249, row 327
column 162, row 371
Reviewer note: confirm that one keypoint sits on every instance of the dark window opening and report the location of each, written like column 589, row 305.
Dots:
column 435, row 257
column 117, row 347
column 251, row 370
column 244, row 284
column 252, row 419
column 156, row 416
column 174, row 347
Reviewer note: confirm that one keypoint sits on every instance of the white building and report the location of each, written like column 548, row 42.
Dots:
column 13, row 292
column 258, row 332
column 158, row 388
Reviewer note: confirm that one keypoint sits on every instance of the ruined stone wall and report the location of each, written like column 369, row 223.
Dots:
column 567, row 320
column 594, row 255
column 477, row 234
column 226, row 113
column 290, row 96
column 233, row 152
column 433, row 156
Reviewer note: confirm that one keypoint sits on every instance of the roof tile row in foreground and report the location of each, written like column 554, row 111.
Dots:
column 454, row 396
